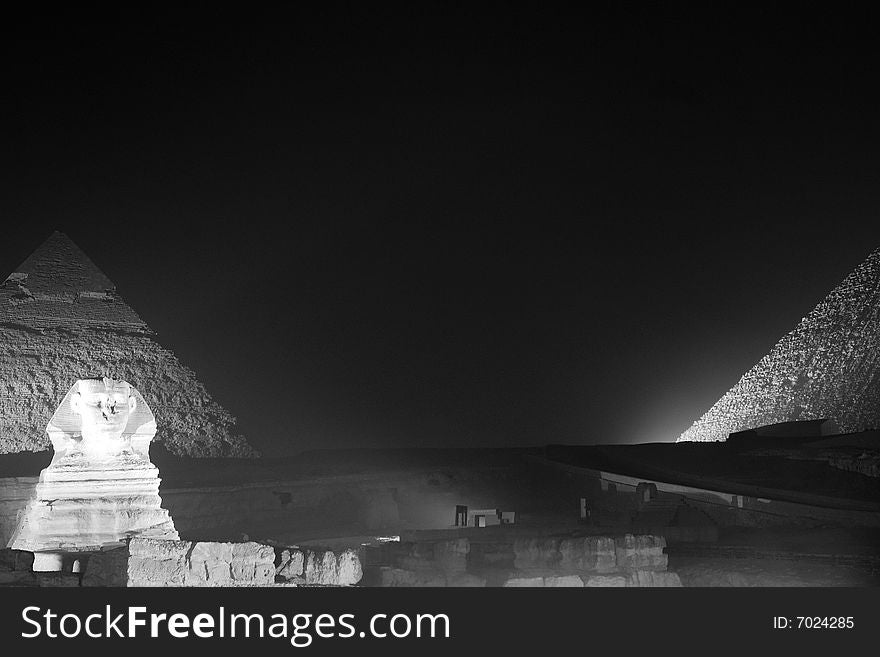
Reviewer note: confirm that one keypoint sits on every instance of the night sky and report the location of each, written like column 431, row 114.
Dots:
column 443, row 228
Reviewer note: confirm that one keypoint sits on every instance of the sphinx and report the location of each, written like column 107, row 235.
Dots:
column 100, row 488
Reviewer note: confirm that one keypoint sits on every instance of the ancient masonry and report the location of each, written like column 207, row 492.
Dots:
column 826, row 368
column 61, row 320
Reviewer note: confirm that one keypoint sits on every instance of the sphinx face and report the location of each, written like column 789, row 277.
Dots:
column 104, row 411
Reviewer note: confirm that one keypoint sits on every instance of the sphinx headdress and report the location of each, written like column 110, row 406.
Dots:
column 65, row 431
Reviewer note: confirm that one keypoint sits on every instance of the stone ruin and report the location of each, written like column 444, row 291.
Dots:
column 827, row 368
column 549, row 562
column 60, row 318
column 521, row 561
column 149, row 562
column 100, row 488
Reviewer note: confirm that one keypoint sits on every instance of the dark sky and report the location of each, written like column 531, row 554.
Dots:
column 445, row 227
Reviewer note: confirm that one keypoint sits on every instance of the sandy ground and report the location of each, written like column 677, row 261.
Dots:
column 823, row 556
column 768, row 572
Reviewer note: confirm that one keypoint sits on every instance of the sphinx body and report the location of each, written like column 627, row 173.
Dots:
column 100, row 488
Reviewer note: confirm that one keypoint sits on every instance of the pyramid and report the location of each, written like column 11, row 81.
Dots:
column 61, row 319
column 827, row 368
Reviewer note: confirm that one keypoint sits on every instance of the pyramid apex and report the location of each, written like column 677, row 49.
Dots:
column 58, row 266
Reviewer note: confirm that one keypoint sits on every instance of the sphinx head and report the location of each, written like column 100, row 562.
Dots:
column 104, row 406
column 102, row 417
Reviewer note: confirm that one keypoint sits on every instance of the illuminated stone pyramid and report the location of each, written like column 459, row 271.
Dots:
column 61, row 319
column 828, row 367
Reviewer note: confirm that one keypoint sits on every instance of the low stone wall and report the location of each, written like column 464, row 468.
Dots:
column 866, row 463
column 161, row 563
column 628, row 560
column 437, row 563
column 635, row 578
column 390, row 577
column 599, row 554
column 183, row 563
column 445, row 555
column 151, row 562
column 546, row 562
column 311, row 567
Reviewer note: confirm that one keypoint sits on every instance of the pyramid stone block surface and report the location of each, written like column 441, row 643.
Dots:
column 828, row 367
column 61, row 319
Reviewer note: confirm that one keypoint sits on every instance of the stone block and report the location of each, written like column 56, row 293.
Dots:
column 604, row 550
column 207, row 551
column 291, row 565
column 653, row 578
column 254, row 551
column 590, row 554
column 524, row 582
column 348, row 568
column 320, row 568
column 594, row 581
column 145, row 571
column 17, row 578
column 640, row 552
column 415, row 563
column 573, row 555
column 196, row 573
column 243, row 570
column 465, row 580
column 564, row 581
column 57, row 580
column 264, row 573
column 536, row 553
column 158, row 549
column 451, row 556
column 218, row 574
column 109, row 568
column 16, row 560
